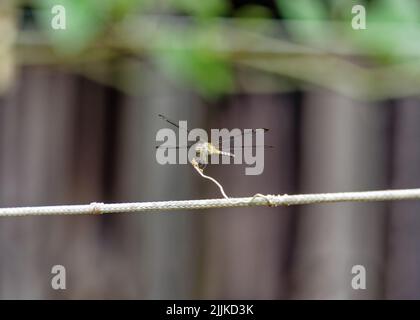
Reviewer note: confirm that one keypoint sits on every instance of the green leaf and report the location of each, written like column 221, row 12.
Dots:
column 83, row 23
column 121, row 8
column 205, row 8
column 394, row 11
column 392, row 28
column 201, row 69
column 302, row 9
column 253, row 11
column 310, row 11
column 187, row 57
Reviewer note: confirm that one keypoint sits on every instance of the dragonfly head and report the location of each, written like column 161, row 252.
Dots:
column 199, row 150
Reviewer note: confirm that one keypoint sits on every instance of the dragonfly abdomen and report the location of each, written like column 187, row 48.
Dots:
column 228, row 154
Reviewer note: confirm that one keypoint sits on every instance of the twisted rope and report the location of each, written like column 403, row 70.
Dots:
column 257, row 200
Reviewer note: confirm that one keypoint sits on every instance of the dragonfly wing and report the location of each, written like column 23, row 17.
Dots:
column 166, row 119
column 249, row 147
column 173, row 147
column 232, row 138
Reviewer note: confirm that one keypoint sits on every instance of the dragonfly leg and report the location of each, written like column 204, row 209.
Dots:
column 198, row 164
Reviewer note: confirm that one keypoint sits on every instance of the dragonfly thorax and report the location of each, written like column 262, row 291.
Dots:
column 205, row 149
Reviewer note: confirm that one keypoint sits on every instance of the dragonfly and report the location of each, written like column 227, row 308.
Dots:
column 204, row 149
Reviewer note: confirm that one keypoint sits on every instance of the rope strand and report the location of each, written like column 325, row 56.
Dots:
column 257, row 200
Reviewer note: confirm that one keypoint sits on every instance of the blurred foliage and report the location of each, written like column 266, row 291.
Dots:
column 395, row 11
column 303, row 9
column 201, row 9
column 190, row 54
column 311, row 10
column 187, row 57
column 253, row 11
column 83, row 22
column 394, row 28
column 88, row 22
column 8, row 32
column 392, row 25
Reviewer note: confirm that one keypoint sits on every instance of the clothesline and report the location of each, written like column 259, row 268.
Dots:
column 257, row 200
